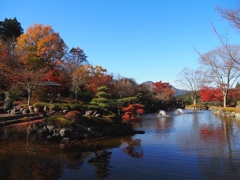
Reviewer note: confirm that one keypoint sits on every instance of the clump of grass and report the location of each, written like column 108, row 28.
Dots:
column 57, row 121
column 59, row 106
column 26, row 118
column 228, row 109
column 197, row 106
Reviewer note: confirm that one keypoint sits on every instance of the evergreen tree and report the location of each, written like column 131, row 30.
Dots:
column 100, row 102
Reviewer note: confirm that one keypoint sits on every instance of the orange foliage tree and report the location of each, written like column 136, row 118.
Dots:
column 132, row 112
column 98, row 81
column 39, row 47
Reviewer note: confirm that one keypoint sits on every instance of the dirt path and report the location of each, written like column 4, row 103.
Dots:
column 23, row 123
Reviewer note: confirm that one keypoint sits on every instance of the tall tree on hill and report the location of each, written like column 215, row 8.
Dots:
column 78, row 56
column 10, row 29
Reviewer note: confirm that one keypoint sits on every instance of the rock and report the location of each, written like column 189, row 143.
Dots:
column 74, row 116
column 45, row 109
column 65, row 140
column 65, row 132
column 93, row 129
column 36, row 110
column 24, row 111
column 79, row 131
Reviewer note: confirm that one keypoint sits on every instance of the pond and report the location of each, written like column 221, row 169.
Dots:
column 192, row 145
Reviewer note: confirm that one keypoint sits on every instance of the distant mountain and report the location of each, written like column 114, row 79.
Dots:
column 178, row 92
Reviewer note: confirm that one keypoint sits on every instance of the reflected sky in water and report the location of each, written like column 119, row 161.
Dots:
column 192, row 145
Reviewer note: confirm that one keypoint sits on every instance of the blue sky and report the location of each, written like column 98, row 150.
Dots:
column 140, row 39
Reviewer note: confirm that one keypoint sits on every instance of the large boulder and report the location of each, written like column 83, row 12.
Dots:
column 74, row 116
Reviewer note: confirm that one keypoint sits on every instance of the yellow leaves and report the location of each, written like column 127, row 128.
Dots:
column 42, row 41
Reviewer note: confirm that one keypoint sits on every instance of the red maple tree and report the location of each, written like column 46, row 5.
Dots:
column 98, row 81
column 164, row 89
column 132, row 112
column 211, row 94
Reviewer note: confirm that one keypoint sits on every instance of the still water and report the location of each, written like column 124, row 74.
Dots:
column 192, row 145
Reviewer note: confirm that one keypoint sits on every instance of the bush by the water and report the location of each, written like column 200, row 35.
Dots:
column 58, row 106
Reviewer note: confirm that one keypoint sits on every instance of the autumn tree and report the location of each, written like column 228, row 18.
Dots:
column 29, row 81
column 6, row 70
column 80, row 78
column 132, row 112
column 98, row 77
column 49, row 91
column 233, row 96
column 98, row 81
column 211, row 94
column 153, row 96
column 163, row 91
column 223, row 66
column 40, row 47
column 124, row 87
column 192, row 80
column 74, row 59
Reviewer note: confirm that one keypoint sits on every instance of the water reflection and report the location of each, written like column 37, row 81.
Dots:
column 132, row 147
column 101, row 161
column 190, row 145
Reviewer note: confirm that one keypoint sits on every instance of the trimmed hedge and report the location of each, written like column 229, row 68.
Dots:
column 58, row 106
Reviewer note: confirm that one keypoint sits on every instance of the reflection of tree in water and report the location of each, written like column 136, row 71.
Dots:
column 22, row 158
column 74, row 160
column 222, row 142
column 164, row 126
column 101, row 160
column 133, row 147
column 215, row 141
column 17, row 165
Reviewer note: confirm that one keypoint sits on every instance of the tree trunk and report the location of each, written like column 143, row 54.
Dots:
column 194, row 100
column 76, row 94
column 29, row 96
column 224, row 99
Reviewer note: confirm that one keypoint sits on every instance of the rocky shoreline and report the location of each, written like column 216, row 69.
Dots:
column 227, row 114
column 78, row 131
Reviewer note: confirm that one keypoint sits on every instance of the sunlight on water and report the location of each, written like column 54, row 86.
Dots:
column 187, row 145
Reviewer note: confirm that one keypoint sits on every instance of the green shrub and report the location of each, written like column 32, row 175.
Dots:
column 8, row 104
column 64, row 106
column 76, row 107
column 40, row 105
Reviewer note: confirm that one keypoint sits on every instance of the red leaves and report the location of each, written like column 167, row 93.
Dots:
column 211, row 94
column 98, row 81
column 132, row 112
column 164, row 89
